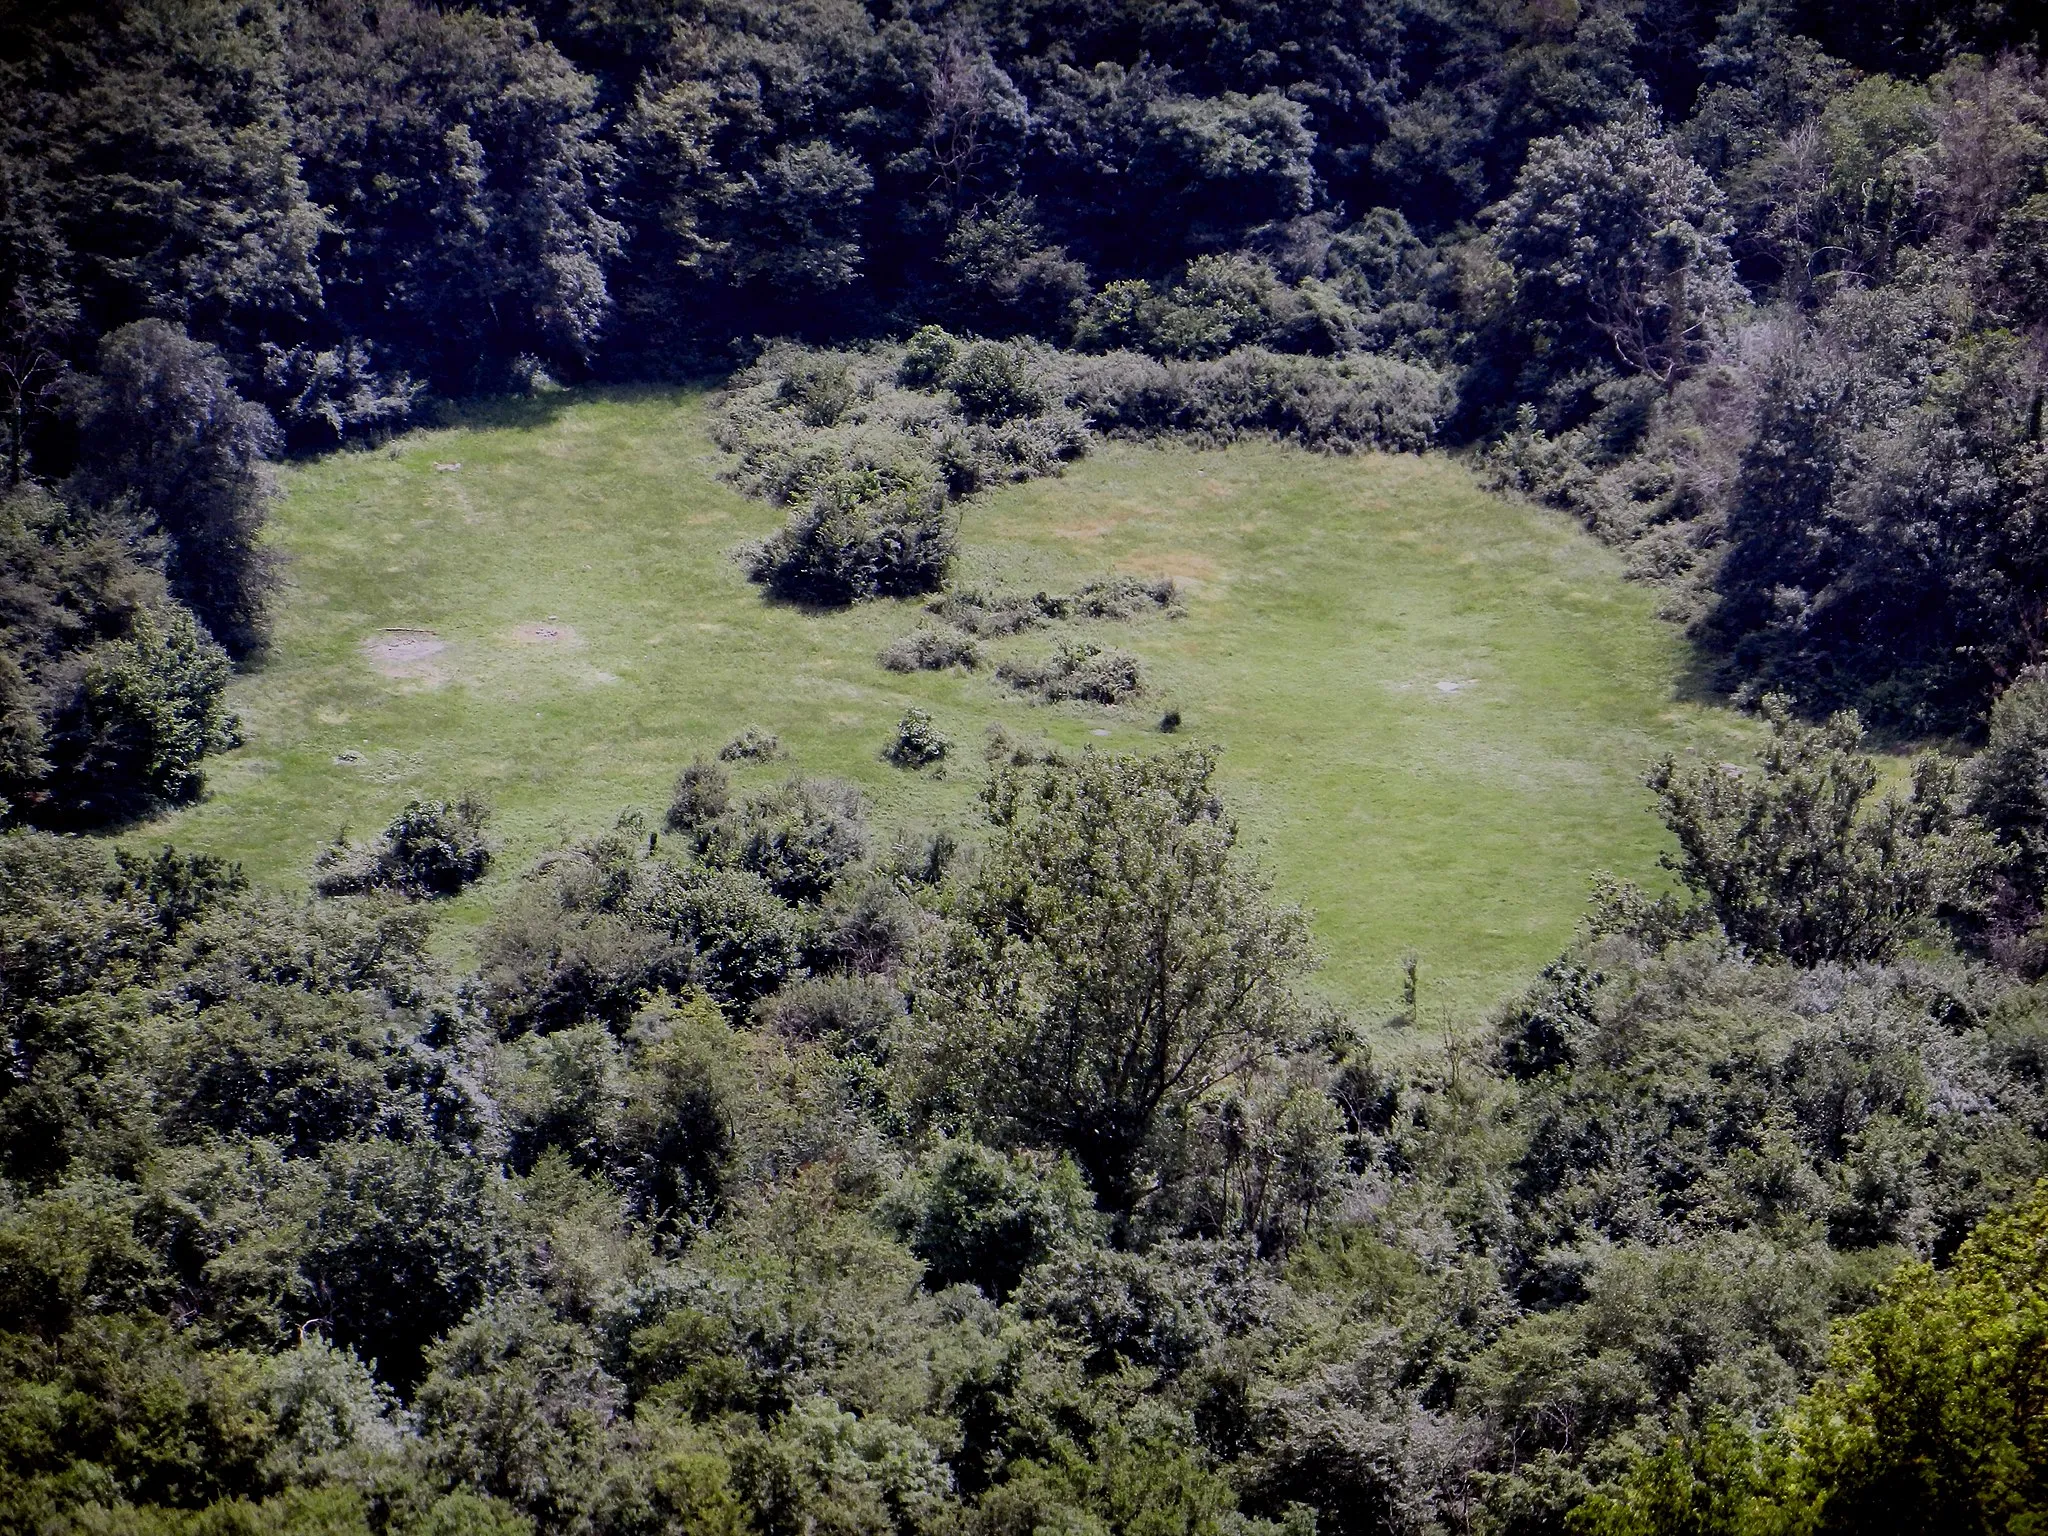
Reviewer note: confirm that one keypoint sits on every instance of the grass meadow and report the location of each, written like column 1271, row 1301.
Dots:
column 1434, row 705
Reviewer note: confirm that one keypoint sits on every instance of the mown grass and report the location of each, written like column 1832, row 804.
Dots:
column 1435, row 706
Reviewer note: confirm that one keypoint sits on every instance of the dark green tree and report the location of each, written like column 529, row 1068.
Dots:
column 1111, row 960
column 1794, row 864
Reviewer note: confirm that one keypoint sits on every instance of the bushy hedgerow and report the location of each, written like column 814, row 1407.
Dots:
column 1079, row 670
column 866, row 448
column 926, row 649
column 1340, row 405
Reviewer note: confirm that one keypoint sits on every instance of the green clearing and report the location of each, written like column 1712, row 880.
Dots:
column 1435, row 706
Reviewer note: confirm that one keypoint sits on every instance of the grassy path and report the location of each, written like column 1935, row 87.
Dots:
column 1435, row 705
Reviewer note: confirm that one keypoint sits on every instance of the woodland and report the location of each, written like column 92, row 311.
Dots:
column 758, row 1170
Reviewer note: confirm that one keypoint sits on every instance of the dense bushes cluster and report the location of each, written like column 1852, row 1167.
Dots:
column 431, row 848
column 774, row 1183
column 868, row 447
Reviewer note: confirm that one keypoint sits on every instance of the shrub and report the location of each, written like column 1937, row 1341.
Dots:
column 703, row 793
column 1123, row 597
column 1170, row 721
column 745, row 941
column 144, row 711
column 752, row 745
column 926, row 649
column 819, row 388
column 992, row 614
column 994, row 382
column 1342, row 405
column 851, row 1014
column 799, row 836
column 1793, row 862
column 927, row 358
column 863, row 533
column 432, row 848
column 1082, row 671
column 918, row 743
column 977, row 1217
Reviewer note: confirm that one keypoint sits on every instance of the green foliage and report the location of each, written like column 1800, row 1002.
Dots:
column 148, row 708
column 1923, row 1419
column 979, row 1218
column 1618, row 244
column 703, row 793
column 432, row 848
column 918, row 742
column 799, row 837
column 168, row 436
column 1112, row 959
column 860, row 534
column 1794, row 865
column 930, row 650
column 1079, row 670
column 603, row 926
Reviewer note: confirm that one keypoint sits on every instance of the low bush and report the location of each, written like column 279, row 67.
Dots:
column 752, row 745
column 799, row 837
column 918, row 743
column 1082, row 671
column 432, row 848
column 703, row 793
column 926, row 649
column 1345, row 404
column 1123, row 597
column 863, row 533
column 994, row 382
column 850, row 1014
column 994, row 614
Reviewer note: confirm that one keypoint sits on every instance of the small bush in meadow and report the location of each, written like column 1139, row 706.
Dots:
column 432, row 848
column 1122, row 597
column 1090, row 673
column 752, row 745
column 863, row 533
column 918, row 743
column 703, row 793
column 931, row 650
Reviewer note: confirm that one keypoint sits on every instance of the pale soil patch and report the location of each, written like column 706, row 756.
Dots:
column 550, row 633
column 406, row 653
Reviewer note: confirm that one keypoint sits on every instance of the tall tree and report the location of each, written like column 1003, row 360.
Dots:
column 1112, row 959
column 165, row 432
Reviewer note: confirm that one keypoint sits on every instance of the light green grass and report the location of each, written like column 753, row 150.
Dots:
column 1328, row 600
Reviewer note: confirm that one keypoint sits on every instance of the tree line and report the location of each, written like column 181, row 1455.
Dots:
column 762, row 1177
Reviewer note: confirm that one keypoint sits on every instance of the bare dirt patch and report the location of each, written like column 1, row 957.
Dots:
column 405, row 653
column 552, row 632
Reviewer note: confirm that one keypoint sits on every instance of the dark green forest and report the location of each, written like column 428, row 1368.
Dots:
column 763, row 1176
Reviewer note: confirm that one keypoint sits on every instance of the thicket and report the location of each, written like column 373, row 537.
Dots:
column 1032, row 1187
